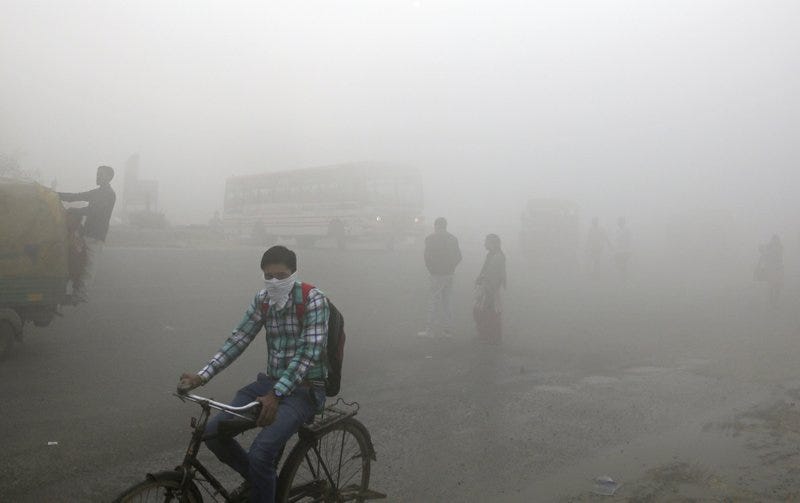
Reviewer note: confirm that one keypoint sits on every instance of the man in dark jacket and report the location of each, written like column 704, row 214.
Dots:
column 442, row 255
column 95, row 228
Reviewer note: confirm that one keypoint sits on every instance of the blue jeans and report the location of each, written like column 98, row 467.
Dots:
column 259, row 464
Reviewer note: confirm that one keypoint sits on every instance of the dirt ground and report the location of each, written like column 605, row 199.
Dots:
column 677, row 388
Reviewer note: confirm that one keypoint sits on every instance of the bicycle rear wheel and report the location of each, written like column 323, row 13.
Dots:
column 161, row 487
column 337, row 471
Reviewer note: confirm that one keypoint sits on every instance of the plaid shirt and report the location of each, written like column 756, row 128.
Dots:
column 293, row 355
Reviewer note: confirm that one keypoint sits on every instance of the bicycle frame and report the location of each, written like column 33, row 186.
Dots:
column 190, row 461
column 192, row 469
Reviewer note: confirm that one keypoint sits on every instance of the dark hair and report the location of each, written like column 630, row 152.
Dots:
column 440, row 222
column 279, row 255
column 107, row 169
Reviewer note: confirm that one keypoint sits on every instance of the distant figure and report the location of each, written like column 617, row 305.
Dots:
column 442, row 255
column 596, row 243
column 622, row 250
column 95, row 228
column 770, row 268
column 488, row 293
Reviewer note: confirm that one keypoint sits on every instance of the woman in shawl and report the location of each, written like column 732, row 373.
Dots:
column 488, row 292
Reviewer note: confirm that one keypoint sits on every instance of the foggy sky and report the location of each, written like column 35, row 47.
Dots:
column 638, row 108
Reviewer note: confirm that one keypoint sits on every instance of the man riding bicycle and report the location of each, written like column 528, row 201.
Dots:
column 293, row 387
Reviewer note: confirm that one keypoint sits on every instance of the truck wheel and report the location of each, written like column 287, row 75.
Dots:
column 6, row 338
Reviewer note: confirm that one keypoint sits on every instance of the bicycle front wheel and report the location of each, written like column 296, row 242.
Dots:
column 333, row 467
column 161, row 487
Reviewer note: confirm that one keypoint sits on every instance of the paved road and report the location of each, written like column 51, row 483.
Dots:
column 591, row 377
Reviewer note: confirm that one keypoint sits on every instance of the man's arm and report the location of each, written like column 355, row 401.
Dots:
column 71, row 197
column 311, row 350
column 242, row 336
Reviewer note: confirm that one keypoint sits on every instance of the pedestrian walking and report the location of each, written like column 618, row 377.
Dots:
column 442, row 256
column 489, row 287
column 770, row 268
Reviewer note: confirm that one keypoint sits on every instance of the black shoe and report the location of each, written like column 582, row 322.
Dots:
column 242, row 493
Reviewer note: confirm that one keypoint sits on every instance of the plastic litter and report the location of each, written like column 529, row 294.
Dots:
column 52, row 443
column 605, row 486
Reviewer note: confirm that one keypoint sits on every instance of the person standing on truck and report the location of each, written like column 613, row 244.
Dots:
column 442, row 255
column 97, row 215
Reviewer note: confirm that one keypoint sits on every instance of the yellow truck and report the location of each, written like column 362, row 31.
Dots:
column 34, row 261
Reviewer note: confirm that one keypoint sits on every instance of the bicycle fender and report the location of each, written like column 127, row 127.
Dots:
column 358, row 424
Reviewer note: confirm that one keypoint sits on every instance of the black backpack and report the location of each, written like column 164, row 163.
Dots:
column 336, row 338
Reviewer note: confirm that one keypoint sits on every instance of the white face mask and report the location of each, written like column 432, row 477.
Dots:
column 279, row 290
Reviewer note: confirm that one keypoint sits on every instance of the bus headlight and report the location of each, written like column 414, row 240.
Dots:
column 378, row 219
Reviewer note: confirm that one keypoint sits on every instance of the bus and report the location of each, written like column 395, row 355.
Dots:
column 344, row 202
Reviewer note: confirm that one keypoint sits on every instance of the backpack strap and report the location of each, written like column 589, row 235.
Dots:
column 300, row 301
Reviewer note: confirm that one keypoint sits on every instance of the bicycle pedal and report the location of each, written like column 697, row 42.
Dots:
column 369, row 494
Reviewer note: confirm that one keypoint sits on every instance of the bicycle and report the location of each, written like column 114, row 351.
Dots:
column 329, row 463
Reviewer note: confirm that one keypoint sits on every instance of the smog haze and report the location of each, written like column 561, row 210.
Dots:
column 624, row 107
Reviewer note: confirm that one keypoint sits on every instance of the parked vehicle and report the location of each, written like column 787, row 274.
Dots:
column 34, row 261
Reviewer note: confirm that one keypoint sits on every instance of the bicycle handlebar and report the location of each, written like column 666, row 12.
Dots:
column 219, row 405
